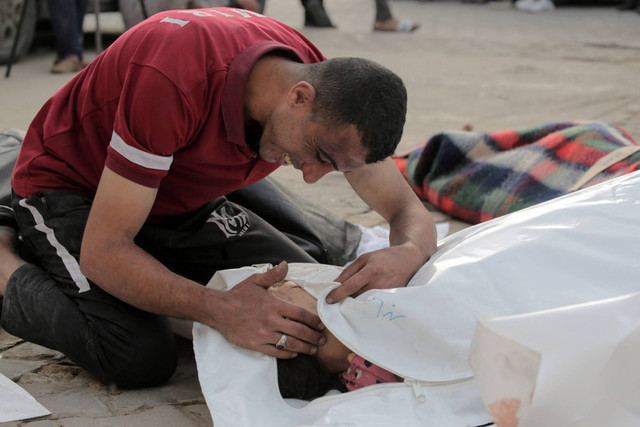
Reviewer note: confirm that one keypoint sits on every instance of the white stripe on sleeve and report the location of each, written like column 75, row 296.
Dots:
column 139, row 157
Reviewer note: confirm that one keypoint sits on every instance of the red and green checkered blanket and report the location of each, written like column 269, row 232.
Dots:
column 479, row 176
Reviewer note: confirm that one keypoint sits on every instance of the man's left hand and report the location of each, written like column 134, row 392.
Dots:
column 412, row 232
column 386, row 268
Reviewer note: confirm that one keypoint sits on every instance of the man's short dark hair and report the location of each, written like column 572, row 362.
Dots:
column 363, row 93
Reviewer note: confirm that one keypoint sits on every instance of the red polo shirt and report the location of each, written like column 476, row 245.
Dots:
column 163, row 107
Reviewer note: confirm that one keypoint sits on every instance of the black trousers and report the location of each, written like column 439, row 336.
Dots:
column 49, row 302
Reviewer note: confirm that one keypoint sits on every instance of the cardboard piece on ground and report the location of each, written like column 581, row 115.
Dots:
column 16, row 404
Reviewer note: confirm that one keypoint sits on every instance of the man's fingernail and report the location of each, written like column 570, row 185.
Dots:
column 293, row 355
column 323, row 340
column 313, row 350
column 329, row 300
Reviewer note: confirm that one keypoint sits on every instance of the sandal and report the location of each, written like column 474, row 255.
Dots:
column 401, row 26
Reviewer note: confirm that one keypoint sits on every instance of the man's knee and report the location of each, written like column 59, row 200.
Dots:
column 148, row 360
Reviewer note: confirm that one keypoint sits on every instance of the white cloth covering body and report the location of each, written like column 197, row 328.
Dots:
column 578, row 248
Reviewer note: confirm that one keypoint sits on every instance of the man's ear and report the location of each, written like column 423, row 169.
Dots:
column 301, row 93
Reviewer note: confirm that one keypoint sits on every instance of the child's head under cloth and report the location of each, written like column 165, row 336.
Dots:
column 333, row 365
column 305, row 376
column 332, row 356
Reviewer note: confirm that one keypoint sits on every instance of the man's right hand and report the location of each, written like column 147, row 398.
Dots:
column 248, row 316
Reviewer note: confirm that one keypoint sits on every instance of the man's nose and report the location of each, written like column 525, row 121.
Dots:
column 313, row 172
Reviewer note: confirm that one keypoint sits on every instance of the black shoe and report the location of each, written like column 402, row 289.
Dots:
column 628, row 5
column 315, row 15
column 8, row 217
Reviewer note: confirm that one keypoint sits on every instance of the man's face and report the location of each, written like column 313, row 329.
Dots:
column 292, row 138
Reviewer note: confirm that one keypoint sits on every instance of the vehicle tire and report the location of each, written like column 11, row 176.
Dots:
column 10, row 13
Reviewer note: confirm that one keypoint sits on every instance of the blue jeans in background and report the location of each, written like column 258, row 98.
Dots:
column 67, row 17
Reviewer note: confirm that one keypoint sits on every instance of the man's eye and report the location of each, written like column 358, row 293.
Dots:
column 320, row 159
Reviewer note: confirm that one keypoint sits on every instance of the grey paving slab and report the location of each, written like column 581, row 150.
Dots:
column 27, row 350
column 14, row 369
column 70, row 403
column 56, row 377
column 200, row 413
column 180, row 390
column 7, row 340
column 153, row 417
column 38, row 423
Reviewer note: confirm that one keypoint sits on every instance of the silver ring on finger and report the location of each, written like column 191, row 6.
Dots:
column 282, row 343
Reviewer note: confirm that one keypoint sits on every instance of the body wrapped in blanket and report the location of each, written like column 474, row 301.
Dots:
column 479, row 176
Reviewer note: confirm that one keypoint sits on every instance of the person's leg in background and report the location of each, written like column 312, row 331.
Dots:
column 386, row 22
column 252, row 5
column 67, row 17
column 630, row 5
column 315, row 15
column 132, row 13
column 383, row 11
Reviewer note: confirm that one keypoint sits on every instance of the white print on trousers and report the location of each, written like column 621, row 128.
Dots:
column 67, row 259
column 231, row 225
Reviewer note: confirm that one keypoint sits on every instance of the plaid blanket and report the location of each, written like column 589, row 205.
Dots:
column 479, row 176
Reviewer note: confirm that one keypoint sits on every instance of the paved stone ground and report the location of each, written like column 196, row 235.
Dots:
column 489, row 66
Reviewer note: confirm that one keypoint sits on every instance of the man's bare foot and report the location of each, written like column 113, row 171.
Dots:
column 393, row 24
column 10, row 261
